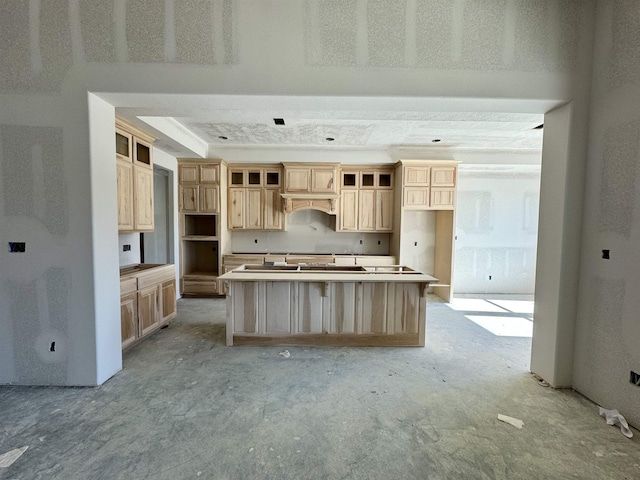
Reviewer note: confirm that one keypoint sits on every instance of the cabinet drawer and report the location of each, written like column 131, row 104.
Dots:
column 128, row 285
column 200, row 287
column 156, row 275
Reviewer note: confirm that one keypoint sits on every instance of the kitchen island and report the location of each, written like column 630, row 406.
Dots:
column 326, row 305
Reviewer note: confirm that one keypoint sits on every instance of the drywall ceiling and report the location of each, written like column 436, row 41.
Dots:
column 205, row 125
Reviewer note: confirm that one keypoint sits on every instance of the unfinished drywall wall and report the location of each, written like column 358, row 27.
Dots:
column 55, row 52
column 310, row 231
column 607, row 321
column 496, row 228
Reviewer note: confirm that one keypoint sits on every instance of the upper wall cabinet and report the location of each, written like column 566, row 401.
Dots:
column 310, row 178
column 199, row 187
column 254, row 201
column 428, row 185
column 134, row 164
column 366, row 200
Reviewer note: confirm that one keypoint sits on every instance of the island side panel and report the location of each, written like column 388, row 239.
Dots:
column 278, row 307
column 343, row 307
column 374, row 307
column 245, row 306
column 310, row 307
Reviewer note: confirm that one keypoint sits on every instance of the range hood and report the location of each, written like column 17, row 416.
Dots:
column 325, row 202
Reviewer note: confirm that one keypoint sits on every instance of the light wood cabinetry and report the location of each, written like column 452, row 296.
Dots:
column 147, row 300
column 134, row 164
column 254, row 198
column 199, row 188
column 366, row 200
column 310, row 178
column 310, row 186
column 428, row 186
column 203, row 219
column 427, row 190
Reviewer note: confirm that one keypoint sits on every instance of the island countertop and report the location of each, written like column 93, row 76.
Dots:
column 327, row 273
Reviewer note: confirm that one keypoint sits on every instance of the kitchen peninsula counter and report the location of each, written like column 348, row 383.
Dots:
column 326, row 305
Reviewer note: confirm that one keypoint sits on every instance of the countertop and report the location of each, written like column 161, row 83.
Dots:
column 292, row 273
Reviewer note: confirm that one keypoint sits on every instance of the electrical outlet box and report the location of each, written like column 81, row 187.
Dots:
column 17, row 247
column 126, row 248
column 634, row 378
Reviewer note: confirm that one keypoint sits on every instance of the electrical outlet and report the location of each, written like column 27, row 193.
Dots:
column 17, row 247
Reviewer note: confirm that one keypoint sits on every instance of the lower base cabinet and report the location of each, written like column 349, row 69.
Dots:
column 147, row 301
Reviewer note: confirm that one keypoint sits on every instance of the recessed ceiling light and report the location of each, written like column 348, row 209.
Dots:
column 222, row 137
column 278, row 121
column 436, row 140
column 329, row 139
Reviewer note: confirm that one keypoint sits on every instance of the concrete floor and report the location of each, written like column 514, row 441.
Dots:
column 186, row 406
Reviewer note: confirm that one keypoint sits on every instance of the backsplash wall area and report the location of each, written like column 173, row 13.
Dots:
column 310, row 231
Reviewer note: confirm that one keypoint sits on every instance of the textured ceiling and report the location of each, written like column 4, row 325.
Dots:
column 369, row 129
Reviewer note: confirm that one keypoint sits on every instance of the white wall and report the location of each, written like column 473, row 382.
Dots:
column 607, row 325
column 56, row 52
column 496, row 228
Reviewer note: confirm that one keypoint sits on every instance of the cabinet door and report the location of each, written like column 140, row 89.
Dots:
column 416, row 197
column 323, row 181
column 416, row 175
column 128, row 318
column 236, row 208
column 253, row 209
column 188, row 174
column 210, row 174
column 367, row 210
column 443, row 176
column 209, row 195
column 148, row 309
column 124, row 141
column 384, row 210
column 125, row 194
column 349, row 210
column 168, row 300
column 142, row 153
column 298, row 180
column 143, row 199
column 442, row 198
column 188, row 198
column 273, row 215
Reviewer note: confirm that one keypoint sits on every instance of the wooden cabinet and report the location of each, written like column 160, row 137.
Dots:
column 366, row 200
column 125, row 194
column 134, row 164
column 310, row 179
column 199, row 187
column 143, row 200
column 429, row 196
column 254, row 201
column 428, row 186
column 147, row 300
column 203, row 212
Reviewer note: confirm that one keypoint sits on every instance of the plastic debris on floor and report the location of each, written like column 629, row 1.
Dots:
column 7, row 459
column 613, row 417
column 516, row 422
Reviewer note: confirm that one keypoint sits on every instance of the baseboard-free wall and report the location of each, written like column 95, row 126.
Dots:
column 496, row 229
